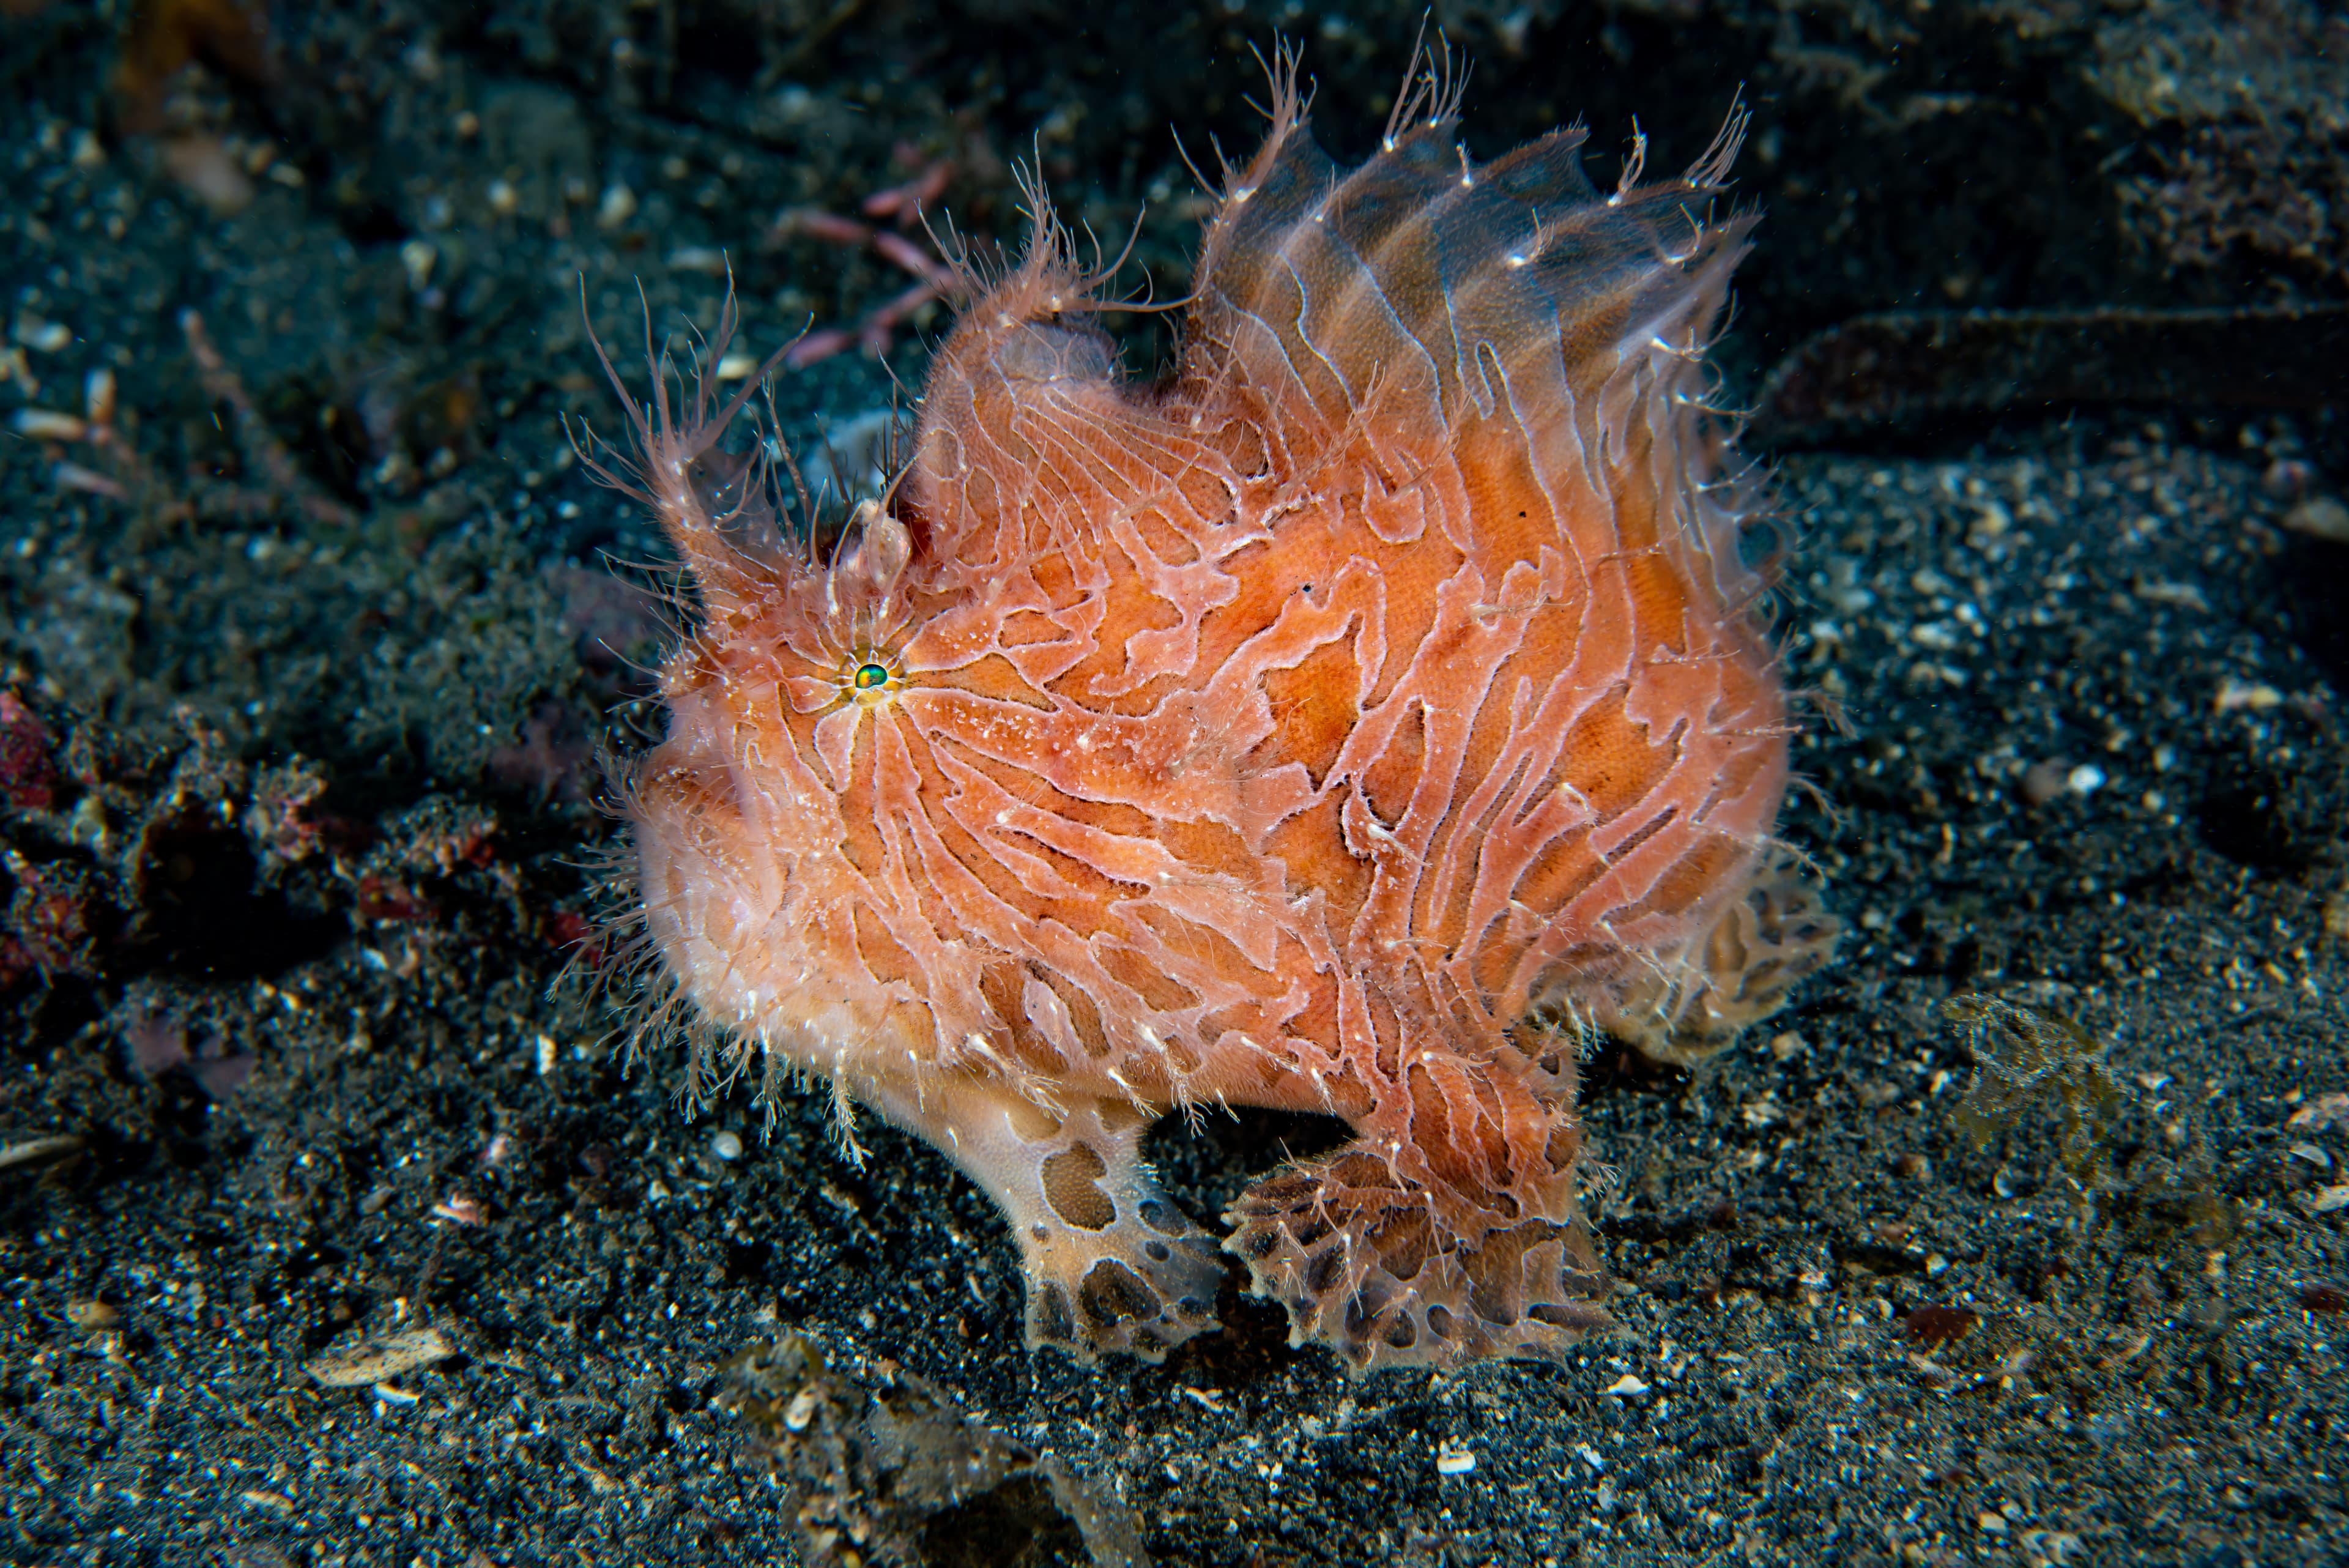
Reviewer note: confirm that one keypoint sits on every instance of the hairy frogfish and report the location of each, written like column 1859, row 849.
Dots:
column 1353, row 723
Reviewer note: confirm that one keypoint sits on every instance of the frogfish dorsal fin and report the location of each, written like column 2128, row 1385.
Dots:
column 1423, row 297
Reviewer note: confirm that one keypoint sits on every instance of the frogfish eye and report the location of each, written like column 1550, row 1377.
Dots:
column 870, row 676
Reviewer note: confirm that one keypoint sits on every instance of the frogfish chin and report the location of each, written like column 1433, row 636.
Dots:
column 1355, row 722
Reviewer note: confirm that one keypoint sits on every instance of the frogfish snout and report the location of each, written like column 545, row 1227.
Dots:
column 1354, row 723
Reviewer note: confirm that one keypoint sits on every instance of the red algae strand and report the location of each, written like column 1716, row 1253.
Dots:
column 1350, row 724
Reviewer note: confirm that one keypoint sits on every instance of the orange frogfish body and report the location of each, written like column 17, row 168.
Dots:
column 1347, row 725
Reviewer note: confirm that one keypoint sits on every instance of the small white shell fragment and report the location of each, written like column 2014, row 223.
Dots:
column 2325, row 1199
column 801, row 1411
column 2320, row 1113
column 2184, row 595
column 1454, row 1461
column 2085, row 779
column 546, row 1054
column 47, row 424
column 2235, row 695
column 379, row 1359
column 706, row 259
column 44, row 336
column 1626, row 1386
column 45, row 1146
column 726, row 1144
column 2320, row 517
column 418, row 257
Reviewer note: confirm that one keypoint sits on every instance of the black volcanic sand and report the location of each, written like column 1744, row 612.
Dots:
column 335, row 1229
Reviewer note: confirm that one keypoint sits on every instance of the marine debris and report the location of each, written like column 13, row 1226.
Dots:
column 1879, row 370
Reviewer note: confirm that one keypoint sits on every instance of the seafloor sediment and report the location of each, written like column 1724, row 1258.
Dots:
column 335, row 1229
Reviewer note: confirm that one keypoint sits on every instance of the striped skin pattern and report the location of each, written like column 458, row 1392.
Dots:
column 1348, row 725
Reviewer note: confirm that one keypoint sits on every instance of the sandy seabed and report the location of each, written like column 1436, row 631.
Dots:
column 335, row 1229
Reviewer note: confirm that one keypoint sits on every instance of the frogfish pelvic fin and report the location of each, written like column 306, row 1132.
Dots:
column 1353, row 723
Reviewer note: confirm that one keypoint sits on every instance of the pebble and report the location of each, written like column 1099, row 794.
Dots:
column 2319, row 517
